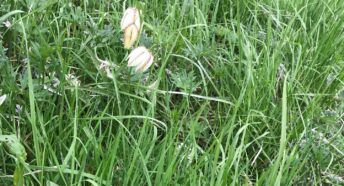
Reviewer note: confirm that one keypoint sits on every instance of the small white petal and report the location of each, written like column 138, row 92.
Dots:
column 126, row 19
column 137, row 52
column 140, row 57
column 19, row 108
column 72, row 80
column 144, row 65
column 109, row 73
column 147, row 65
column 140, row 60
column 2, row 99
column 7, row 24
column 137, row 20
column 131, row 34
column 130, row 16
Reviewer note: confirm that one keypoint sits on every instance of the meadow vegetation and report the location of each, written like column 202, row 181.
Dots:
column 241, row 92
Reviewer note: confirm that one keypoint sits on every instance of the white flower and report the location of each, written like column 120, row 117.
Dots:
column 130, row 24
column 131, row 16
column 19, row 108
column 72, row 80
column 7, row 24
column 130, row 36
column 2, row 99
column 141, row 58
column 109, row 73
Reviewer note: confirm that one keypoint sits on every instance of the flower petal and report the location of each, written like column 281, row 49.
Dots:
column 148, row 64
column 131, row 16
column 131, row 34
column 140, row 60
column 127, row 18
column 137, row 20
column 136, row 53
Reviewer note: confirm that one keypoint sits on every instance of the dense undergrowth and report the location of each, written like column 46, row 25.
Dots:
column 249, row 93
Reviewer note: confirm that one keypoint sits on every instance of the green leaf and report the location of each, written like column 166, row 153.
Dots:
column 4, row 17
column 18, row 176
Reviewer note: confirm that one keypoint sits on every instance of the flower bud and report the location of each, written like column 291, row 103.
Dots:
column 130, row 24
column 141, row 58
column 130, row 36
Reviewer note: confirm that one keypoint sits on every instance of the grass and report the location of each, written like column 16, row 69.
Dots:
column 249, row 92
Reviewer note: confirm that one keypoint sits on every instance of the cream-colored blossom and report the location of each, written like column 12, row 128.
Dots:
column 130, row 25
column 140, row 58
